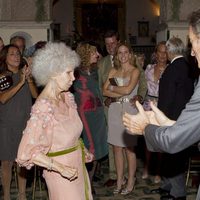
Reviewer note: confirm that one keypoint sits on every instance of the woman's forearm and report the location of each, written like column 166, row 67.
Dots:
column 47, row 162
column 109, row 93
column 122, row 90
column 5, row 96
column 33, row 89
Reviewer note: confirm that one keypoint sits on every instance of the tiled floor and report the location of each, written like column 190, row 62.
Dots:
column 141, row 191
column 103, row 193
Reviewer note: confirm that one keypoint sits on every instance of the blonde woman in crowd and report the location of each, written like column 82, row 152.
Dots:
column 121, row 85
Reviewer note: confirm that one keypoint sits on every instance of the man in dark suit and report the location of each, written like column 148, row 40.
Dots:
column 175, row 89
column 161, row 133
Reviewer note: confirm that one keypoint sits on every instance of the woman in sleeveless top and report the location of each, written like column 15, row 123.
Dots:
column 121, row 85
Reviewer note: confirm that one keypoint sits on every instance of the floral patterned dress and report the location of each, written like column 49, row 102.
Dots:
column 52, row 128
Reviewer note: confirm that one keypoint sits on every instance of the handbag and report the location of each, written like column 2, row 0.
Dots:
column 5, row 82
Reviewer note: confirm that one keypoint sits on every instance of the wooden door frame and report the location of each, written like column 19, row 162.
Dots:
column 121, row 5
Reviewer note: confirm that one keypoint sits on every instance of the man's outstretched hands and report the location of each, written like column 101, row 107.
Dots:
column 157, row 117
column 136, row 124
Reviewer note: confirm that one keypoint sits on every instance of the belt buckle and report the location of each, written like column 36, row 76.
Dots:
column 123, row 100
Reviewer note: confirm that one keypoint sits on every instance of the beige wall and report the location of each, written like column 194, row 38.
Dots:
column 20, row 10
column 187, row 7
column 36, row 35
column 33, row 32
column 179, row 30
column 20, row 17
column 143, row 11
column 176, row 27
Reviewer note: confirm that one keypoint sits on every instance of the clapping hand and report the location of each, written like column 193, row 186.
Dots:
column 27, row 71
column 23, row 75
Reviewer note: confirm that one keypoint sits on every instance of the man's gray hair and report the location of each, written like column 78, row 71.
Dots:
column 175, row 46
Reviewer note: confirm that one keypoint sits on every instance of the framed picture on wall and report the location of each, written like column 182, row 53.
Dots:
column 143, row 28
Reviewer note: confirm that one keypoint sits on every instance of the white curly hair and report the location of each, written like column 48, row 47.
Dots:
column 52, row 59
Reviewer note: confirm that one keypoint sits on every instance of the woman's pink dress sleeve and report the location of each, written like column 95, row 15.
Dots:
column 37, row 136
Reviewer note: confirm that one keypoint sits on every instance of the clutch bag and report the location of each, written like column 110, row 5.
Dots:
column 5, row 82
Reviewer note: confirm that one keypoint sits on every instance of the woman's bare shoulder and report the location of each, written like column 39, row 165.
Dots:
column 112, row 72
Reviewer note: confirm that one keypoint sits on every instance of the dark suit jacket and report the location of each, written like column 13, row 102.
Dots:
column 175, row 89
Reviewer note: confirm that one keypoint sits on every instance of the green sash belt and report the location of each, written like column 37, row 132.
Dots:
column 63, row 152
column 66, row 151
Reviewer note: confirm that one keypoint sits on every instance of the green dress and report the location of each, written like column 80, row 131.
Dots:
column 90, row 107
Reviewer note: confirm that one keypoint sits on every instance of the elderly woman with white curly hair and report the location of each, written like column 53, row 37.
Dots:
column 51, row 137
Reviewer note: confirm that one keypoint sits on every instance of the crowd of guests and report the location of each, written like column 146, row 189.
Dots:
column 53, row 96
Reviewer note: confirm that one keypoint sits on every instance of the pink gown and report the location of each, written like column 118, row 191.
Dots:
column 53, row 128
